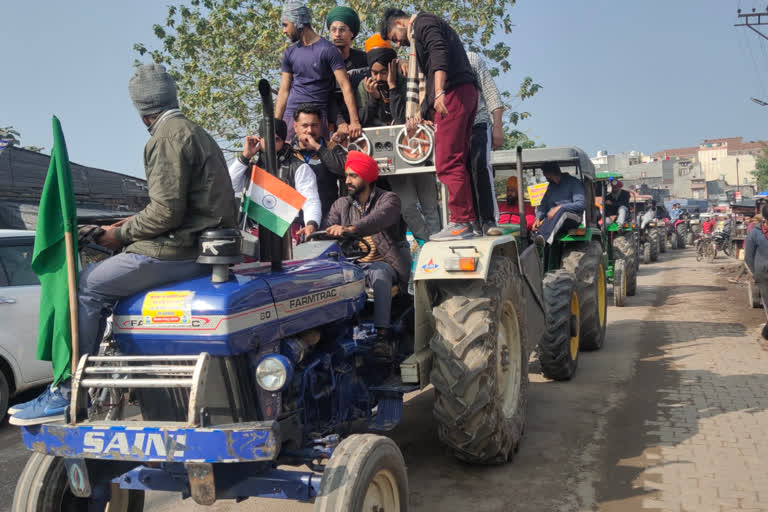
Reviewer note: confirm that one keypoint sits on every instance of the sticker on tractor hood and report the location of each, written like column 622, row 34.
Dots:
column 207, row 325
column 431, row 266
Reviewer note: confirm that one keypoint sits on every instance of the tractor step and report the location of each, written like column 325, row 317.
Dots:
column 389, row 412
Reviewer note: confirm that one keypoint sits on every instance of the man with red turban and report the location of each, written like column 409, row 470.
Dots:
column 374, row 215
column 509, row 211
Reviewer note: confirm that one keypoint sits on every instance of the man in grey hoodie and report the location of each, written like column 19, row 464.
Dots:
column 189, row 192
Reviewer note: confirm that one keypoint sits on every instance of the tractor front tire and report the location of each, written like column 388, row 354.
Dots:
column 663, row 241
column 674, row 241
column 625, row 250
column 44, row 487
column 365, row 472
column 646, row 253
column 480, row 370
column 619, row 283
column 681, row 236
column 586, row 263
column 559, row 345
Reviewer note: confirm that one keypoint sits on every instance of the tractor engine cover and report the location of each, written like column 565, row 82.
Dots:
column 231, row 318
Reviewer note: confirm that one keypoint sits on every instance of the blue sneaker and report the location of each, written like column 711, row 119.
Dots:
column 47, row 408
column 20, row 407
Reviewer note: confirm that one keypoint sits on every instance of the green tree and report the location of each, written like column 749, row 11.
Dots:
column 12, row 137
column 761, row 171
column 217, row 50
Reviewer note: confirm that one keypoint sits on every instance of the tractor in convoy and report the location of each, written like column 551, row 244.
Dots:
column 621, row 244
column 210, row 387
column 571, row 269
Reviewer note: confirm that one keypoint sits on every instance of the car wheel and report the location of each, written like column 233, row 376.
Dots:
column 5, row 395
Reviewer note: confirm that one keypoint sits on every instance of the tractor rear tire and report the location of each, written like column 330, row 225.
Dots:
column 559, row 345
column 681, row 236
column 365, row 472
column 655, row 244
column 619, row 283
column 44, row 487
column 753, row 295
column 480, row 370
column 625, row 250
column 586, row 263
column 689, row 238
column 674, row 241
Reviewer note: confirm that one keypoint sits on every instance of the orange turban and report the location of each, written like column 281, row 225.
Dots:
column 376, row 41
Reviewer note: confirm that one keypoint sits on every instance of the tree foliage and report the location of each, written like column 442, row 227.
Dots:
column 11, row 137
column 217, row 50
column 761, row 171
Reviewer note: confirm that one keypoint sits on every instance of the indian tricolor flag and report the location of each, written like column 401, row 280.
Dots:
column 272, row 203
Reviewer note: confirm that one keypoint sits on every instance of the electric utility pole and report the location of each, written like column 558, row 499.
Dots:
column 752, row 20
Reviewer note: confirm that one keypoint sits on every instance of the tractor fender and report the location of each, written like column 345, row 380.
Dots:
column 431, row 263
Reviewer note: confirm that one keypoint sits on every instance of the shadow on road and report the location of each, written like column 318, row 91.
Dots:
column 643, row 423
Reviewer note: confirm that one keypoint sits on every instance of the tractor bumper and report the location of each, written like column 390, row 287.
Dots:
column 241, row 442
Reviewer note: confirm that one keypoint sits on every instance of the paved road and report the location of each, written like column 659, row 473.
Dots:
column 670, row 415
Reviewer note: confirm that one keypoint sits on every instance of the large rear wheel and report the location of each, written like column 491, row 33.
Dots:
column 559, row 345
column 480, row 371
column 366, row 472
column 586, row 263
column 681, row 236
column 625, row 249
column 44, row 487
column 655, row 243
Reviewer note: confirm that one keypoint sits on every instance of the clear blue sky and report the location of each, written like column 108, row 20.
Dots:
column 617, row 75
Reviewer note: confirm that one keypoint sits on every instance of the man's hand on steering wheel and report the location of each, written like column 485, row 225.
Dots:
column 337, row 231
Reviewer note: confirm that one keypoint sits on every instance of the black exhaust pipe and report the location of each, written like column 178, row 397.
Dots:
column 270, row 245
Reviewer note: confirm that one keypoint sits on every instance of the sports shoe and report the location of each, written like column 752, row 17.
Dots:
column 476, row 229
column 46, row 408
column 20, row 407
column 454, row 231
column 491, row 229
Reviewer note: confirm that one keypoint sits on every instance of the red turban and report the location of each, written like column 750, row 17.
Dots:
column 362, row 165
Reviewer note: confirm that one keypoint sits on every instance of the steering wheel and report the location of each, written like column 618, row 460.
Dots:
column 352, row 245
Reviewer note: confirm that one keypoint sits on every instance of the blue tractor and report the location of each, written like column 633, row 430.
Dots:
column 209, row 387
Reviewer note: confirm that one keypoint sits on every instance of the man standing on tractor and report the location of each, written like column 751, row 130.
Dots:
column 617, row 203
column 448, row 95
column 381, row 98
column 309, row 147
column 374, row 214
column 343, row 24
column 189, row 192
column 509, row 212
column 308, row 70
column 562, row 206
column 293, row 171
column 487, row 134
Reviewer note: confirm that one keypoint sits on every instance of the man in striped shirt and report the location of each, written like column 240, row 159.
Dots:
column 487, row 134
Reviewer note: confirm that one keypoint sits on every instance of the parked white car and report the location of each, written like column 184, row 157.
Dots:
column 19, row 309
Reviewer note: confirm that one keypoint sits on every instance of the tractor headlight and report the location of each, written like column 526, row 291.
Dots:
column 273, row 372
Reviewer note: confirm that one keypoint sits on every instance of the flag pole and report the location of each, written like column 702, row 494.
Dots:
column 72, row 286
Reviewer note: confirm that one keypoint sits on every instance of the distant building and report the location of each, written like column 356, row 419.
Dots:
column 98, row 192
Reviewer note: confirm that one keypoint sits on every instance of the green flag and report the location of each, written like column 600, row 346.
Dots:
column 57, row 215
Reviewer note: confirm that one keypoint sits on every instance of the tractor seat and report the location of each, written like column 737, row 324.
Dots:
column 394, row 293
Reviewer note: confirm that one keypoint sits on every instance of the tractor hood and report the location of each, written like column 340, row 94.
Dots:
column 255, row 305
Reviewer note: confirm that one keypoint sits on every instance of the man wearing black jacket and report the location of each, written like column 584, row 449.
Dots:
column 326, row 160
column 450, row 99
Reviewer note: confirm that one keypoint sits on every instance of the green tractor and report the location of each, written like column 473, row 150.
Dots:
column 621, row 244
column 573, row 267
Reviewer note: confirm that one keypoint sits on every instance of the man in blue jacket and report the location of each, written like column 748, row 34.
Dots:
column 562, row 206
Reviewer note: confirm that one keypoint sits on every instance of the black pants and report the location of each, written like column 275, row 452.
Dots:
column 483, row 193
